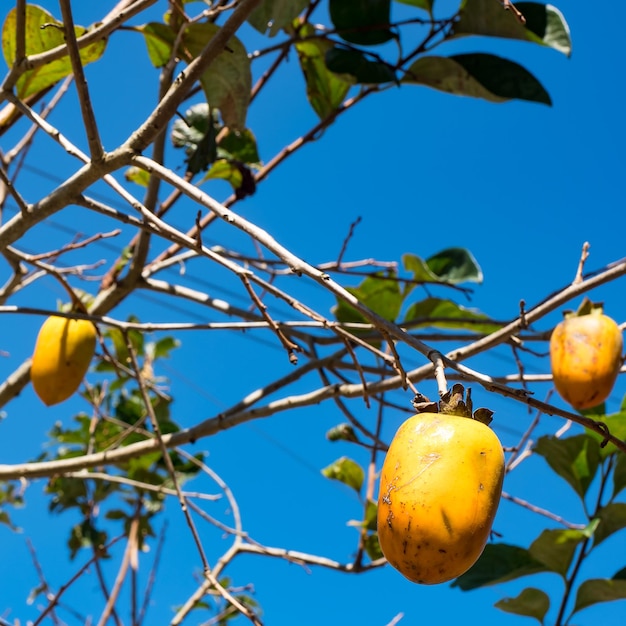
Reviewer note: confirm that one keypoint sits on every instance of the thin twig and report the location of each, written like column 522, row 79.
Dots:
column 63, row 588
column 584, row 255
column 89, row 119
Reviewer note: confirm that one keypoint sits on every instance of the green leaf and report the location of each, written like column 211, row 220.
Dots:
column 356, row 20
column 427, row 5
column 164, row 346
column 612, row 518
column 499, row 563
column 599, row 590
column 347, row 471
column 420, row 269
column 477, row 75
column 576, row 459
column 342, row 432
column 43, row 32
column 325, row 90
column 237, row 174
column 530, row 602
column 545, row 24
column 380, row 294
column 440, row 313
column 356, row 64
column 136, row 175
column 556, row 548
column 455, row 265
column 372, row 547
column 272, row 15
column 160, row 39
column 228, row 80
column 548, row 24
column 616, row 423
column 196, row 132
column 239, row 145
column 619, row 474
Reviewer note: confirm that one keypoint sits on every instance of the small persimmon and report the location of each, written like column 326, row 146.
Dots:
column 585, row 356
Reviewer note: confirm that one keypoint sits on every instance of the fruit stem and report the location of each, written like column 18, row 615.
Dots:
column 584, row 255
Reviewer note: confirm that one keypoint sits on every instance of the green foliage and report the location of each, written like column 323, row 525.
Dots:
column 325, row 89
column 356, row 63
column 577, row 459
column 544, row 25
column 478, row 75
column 360, row 52
column 362, row 21
column 387, row 294
column 273, row 15
column 530, row 602
column 42, row 33
column 11, row 495
column 346, row 471
column 121, row 420
column 499, row 563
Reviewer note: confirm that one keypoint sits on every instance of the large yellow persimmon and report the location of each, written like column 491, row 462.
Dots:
column 586, row 356
column 440, row 488
column 61, row 358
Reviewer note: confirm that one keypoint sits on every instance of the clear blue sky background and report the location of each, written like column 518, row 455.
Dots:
column 521, row 185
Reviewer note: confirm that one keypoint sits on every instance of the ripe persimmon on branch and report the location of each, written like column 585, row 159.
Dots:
column 134, row 197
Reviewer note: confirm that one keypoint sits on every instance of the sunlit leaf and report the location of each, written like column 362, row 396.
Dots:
column 379, row 293
column 556, row 548
column 530, row 602
column 272, row 15
column 372, row 547
column 237, row 174
column 136, row 175
column 160, row 39
column 612, row 519
column 341, row 432
column 240, row 145
column 325, row 89
column 544, row 25
column 427, row 5
column 347, row 471
column 576, row 459
column 477, row 75
column 164, row 346
column 499, row 563
column 455, row 265
column 228, row 79
column 441, row 313
column 363, row 22
column 599, row 590
column 616, row 423
column 43, row 32
column 196, row 132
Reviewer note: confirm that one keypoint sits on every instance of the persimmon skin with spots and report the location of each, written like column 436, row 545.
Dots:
column 62, row 355
column 585, row 358
column 440, row 487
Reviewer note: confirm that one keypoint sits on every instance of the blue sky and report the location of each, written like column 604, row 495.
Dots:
column 521, row 185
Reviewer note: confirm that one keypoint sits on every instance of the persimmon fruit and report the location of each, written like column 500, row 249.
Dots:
column 585, row 356
column 440, row 487
column 62, row 355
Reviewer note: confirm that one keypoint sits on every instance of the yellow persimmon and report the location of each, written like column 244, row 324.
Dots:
column 61, row 358
column 440, row 487
column 586, row 356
